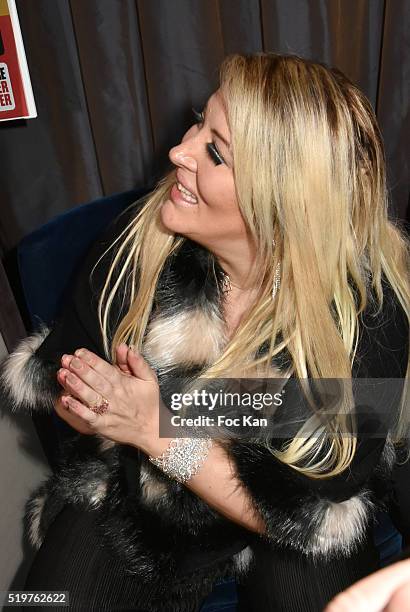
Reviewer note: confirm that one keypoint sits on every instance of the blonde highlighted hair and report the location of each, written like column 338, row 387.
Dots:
column 309, row 170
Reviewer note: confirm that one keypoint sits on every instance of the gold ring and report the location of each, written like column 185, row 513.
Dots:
column 100, row 405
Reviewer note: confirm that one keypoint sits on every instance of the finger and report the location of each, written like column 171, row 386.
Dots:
column 374, row 592
column 61, row 375
column 76, row 407
column 66, row 360
column 138, row 366
column 89, row 376
column 61, row 408
column 105, row 369
column 122, row 362
column 80, row 390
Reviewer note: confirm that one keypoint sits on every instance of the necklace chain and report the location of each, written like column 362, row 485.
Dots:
column 227, row 283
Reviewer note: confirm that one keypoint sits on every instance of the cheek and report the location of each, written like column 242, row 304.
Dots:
column 217, row 191
column 220, row 206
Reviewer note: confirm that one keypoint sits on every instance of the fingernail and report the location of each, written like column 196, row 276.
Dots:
column 71, row 379
column 76, row 363
column 84, row 354
column 64, row 400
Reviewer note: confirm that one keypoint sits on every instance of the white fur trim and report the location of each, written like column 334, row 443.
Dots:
column 243, row 559
column 97, row 494
column 21, row 372
column 194, row 336
column 388, row 455
column 35, row 510
column 343, row 526
column 152, row 490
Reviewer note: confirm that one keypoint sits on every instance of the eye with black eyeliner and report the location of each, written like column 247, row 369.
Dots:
column 210, row 146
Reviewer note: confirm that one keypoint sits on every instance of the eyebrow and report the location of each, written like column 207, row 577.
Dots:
column 226, row 142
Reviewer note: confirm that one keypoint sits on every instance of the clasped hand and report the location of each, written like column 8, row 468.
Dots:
column 131, row 388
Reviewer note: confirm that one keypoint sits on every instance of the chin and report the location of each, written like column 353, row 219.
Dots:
column 171, row 218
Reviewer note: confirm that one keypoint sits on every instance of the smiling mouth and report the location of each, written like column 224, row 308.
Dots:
column 186, row 192
column 180, row 196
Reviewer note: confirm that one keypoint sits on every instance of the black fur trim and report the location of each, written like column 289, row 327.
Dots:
column 303, row 513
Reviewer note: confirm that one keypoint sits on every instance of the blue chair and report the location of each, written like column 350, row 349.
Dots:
column 47, row 259
column 224, row 597
column 387, row 539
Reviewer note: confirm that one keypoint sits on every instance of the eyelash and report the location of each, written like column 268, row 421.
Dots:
column 210, row 146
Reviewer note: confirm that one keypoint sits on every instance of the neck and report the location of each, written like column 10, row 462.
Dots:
column 237, row 262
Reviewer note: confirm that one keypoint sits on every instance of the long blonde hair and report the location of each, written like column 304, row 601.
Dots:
column 309, row 170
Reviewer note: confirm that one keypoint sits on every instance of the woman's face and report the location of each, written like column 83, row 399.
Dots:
column 204, row 167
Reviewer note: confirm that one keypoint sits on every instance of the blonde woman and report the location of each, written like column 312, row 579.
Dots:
column 266, row 250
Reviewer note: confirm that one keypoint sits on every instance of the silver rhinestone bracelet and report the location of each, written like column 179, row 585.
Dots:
column 183, row 457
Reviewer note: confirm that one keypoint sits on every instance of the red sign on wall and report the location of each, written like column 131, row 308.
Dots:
column 16, row 94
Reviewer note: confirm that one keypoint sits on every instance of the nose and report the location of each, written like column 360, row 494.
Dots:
column 182, row 155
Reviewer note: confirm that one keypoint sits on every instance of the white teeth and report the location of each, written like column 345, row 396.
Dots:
column 187, row 194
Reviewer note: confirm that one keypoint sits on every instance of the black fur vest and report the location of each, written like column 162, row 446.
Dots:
column 163, row 532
